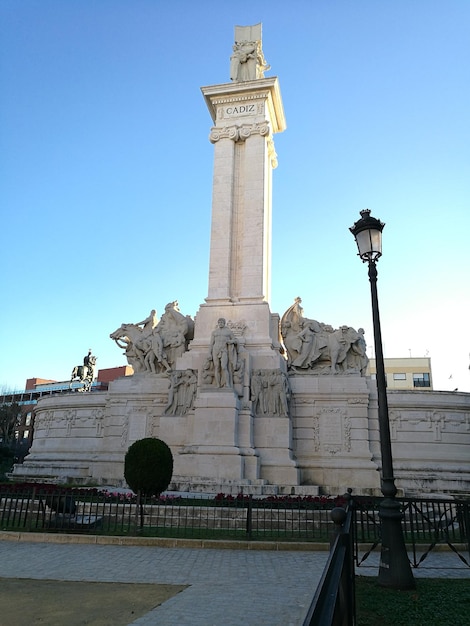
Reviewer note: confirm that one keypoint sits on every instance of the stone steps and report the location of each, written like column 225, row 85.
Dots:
column 258, row 487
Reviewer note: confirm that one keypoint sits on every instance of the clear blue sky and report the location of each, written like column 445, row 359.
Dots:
column 106, row 169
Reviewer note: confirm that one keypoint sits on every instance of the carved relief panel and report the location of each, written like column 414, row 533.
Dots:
column 332, row 430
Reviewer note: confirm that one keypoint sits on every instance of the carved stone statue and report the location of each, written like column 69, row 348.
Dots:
column 182, row 392
column 247, row 61
column 190, row 389
column 84, row 373
column 176, row 380
column 176, row 330
column 149, row 323
column 155, row 355
column 270, row 392
column 154, row 346
column 314, row 347
column 208, row 371
column 312, row 343
column 239, row 372
column 257, row 396
column 223, row 353
column 357, row 355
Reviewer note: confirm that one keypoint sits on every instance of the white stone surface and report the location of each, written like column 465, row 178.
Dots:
column 334, row 439
column 245, row 116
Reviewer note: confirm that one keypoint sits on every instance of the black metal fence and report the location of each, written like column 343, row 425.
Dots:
column 43, row 508
column 427, row 523
column 334, row 602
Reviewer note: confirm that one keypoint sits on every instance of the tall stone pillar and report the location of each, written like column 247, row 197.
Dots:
column 246, row 115
column 228, row 440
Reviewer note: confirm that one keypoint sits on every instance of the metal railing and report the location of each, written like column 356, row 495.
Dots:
column 47, row 508
column 334, row 602
column 427, row 523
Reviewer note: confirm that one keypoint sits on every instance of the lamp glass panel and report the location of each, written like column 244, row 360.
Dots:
column 369, row 243
column 376, row 239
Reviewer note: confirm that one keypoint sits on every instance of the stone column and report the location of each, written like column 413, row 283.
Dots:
column 246, row 115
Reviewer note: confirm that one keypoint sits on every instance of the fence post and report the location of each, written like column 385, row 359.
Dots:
column 464, row 520
column 347, row 587
column 338, row 517
column 31, row 508
column 249, row 519
column 137, row 513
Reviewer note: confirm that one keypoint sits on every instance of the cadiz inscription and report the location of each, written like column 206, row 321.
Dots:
column 239, row 109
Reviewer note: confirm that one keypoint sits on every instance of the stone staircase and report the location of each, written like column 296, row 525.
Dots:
column 259, row 487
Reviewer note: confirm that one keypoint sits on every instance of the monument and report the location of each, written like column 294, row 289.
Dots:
column 246, row 400
column 84, row 373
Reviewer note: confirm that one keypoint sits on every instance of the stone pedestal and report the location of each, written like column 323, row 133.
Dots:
column 213, row 451
column 273, row 436
column 331, row 432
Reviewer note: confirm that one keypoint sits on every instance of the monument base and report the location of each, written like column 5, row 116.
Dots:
column 329, row 443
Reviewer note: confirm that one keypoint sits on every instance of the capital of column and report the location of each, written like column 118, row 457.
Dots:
column 242, row 133
column 238, row 132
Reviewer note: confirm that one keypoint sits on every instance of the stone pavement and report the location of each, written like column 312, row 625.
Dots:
column 226, row 586
column 233, row 587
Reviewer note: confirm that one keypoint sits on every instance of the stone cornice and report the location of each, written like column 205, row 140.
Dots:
column 266, row 89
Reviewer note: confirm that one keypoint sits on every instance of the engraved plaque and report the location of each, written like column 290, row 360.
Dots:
column 331, row 429
column 137, row 427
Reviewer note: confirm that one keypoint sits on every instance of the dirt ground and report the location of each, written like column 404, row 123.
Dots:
column 54, row 603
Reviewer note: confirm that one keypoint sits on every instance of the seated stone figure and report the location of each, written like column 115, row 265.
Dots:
column 314, row 347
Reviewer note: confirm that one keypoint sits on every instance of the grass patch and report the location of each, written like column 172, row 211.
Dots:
column 435, row 601
column 25, row 602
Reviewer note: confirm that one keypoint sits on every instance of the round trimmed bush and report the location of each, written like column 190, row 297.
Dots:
column 148, row 466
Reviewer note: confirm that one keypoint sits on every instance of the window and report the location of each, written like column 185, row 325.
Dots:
column 421, row 380
column 399, row 376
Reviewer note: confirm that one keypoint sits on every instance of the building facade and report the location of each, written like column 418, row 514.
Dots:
column 406, row 373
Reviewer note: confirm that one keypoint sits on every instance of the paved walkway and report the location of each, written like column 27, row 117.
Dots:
column 226, row 586
column 233, row 587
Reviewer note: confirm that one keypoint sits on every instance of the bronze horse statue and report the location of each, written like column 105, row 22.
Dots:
column 84, row 374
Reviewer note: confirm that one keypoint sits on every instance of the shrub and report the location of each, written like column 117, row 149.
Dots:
column 7, row 458
column 148, row 466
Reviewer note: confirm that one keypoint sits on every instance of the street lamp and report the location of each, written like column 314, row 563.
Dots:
column 395, row 568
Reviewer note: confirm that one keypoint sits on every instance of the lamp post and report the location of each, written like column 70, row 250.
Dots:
column 394, row 568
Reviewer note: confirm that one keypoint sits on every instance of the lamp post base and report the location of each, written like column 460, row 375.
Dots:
column 395, row 568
